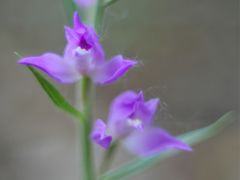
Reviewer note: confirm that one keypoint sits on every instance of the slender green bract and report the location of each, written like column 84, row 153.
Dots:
column 192, row 138
column 56, row 97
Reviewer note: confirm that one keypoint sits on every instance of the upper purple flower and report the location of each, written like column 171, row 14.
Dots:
column 130, row 120
column 83, row 56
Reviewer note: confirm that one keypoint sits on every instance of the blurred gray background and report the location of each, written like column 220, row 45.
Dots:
column 188, row 54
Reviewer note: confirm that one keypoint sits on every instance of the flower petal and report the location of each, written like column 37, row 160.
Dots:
column 92, row 39
column 152, row 140
column 129, row 112
column 55, row 66
column 88, row 36
column 77, row 23
column 71, row 35
column 146, row 111
column 83, row 37
column 121, row 108
column 152, row 105
column 98, row 134
column 69, row 52
column 113, row 69
column 122, row 105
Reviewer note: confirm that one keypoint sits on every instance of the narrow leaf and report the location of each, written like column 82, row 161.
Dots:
column 191, row 138
column 54, row 94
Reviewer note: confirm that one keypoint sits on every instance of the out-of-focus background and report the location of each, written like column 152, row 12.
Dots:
column 188, row 55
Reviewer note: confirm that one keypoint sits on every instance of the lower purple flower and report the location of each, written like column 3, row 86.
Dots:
column 130, row 120
column 99, row 136
column 129, row 112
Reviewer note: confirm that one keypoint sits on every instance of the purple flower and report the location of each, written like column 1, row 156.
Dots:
column 99, row 136
column 130, row 120
column 85, row 3
column 83, row 56
column 129, row 111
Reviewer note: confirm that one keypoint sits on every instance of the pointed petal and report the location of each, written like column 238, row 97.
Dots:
column 146, row 111
column 71, row 35
column 122, row 105
column 98, row 134
column 54, row 65
column 77, row 23
column 121, row 109
column 69, row 53
column 152, row 140
column 113, row 70
column 152, row 105
column 92, row 39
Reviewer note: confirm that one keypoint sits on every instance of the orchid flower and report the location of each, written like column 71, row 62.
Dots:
column 128, row 112
column 83, row 56
column 130, row 120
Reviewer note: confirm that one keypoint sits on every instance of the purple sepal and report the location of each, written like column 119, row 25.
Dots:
column 98, row 134
column 55, row 66
column 153, row 140
column 113, row 69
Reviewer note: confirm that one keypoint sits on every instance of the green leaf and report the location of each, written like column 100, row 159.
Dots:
column 191, row 138
column 54, row 94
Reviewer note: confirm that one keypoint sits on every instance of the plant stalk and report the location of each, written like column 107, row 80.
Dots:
column 87, row 157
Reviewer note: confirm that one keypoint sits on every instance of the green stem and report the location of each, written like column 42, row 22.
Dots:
column 87, row 165
column 87, row 158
